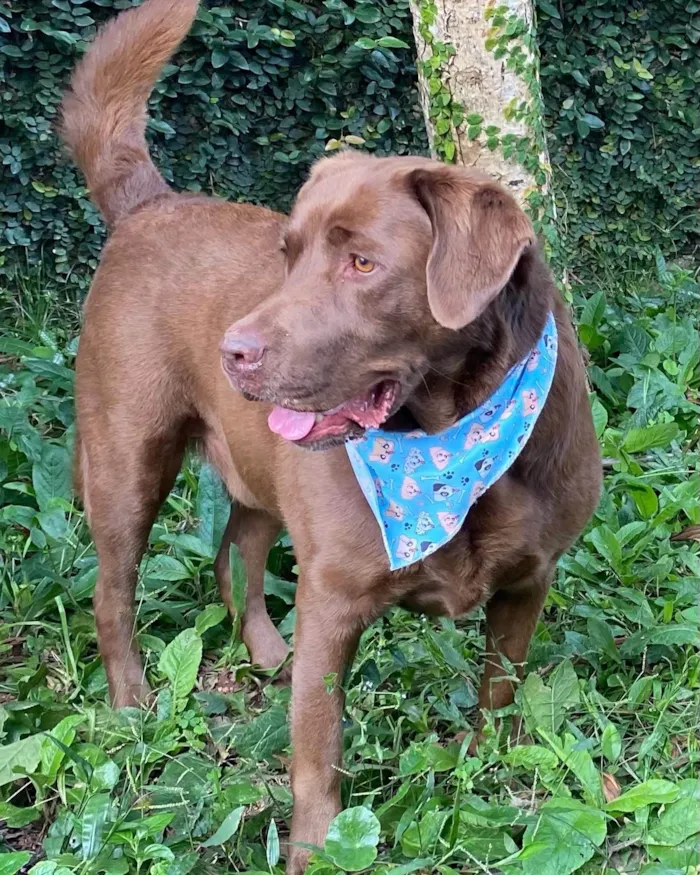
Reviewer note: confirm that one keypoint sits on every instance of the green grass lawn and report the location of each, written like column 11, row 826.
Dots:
column 607, row 782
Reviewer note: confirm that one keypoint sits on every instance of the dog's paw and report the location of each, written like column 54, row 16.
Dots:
column 297, row 861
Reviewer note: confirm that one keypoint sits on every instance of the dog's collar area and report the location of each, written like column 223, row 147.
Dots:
column 421, row 487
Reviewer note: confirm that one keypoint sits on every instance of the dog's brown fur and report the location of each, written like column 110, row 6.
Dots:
column 459, row 295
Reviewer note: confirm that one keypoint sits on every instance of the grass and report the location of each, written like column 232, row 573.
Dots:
column 610, row 699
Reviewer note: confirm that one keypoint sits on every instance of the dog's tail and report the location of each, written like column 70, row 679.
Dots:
column 103, row 114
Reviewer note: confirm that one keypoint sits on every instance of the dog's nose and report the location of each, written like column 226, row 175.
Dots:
column 241, row 351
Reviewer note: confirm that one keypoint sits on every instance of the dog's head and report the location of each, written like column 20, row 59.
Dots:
column 387, row 259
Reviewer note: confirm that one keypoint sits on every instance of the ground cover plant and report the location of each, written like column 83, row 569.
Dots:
column 605, row 780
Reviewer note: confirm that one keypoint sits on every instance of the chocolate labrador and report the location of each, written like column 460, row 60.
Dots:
column 395, row 300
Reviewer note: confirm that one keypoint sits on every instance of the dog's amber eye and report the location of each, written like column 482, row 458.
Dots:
column 364, row 265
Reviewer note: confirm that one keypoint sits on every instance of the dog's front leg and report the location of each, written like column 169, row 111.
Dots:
column 328, row 628
column 511, row 619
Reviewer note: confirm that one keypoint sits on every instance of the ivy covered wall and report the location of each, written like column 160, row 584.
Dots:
column 262, row 87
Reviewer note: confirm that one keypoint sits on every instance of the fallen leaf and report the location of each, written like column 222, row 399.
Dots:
column 691, row 533
column 611, row 789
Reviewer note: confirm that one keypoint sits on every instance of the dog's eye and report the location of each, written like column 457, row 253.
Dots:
column 364, row 265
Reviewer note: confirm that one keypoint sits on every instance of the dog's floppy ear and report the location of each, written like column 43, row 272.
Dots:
column 479, row 234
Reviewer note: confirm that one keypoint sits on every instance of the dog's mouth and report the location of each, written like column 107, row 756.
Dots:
column 349, row 418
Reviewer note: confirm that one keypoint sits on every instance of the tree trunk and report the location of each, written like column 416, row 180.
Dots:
column 480, row 90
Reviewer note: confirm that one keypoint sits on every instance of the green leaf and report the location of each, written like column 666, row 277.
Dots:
column 219, row 58
column 531, row 756
column 611, row 743
column 605, row 542
column 164, row 567
column 593, row 122
column 645, row 499
column 238, row 60
column 422, row 836
column 267, row 734
column 13, row 862
column 161, row 126
column 562, row 838
column 564, row 684
column 367, row 14
column 672, row 635
column 272, row 845
column 24, row 755
column 211, row 616
column 582, row 128
column 593, row 311
column 391, row 42
column 228, row 828
column 546, row 706
column 352, row 839
column 635, row 341
column 639, row 439
column 653, row 792
column 16, row 817
column 549, row 8
column 51, row 754
column 213, row 508
column 51, row 475
column 365, row 42
column 180, row 662
column 239, row 586
column 600, row 416
column 579, row 761
column 679, row 820
column 95, row 816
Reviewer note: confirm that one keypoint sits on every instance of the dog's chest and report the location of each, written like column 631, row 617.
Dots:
column 447, row 583
column 497, row 548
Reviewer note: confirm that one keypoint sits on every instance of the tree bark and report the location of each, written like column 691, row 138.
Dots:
column 480, row 90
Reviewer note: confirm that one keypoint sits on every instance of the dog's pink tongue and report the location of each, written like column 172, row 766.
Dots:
column 290, row 424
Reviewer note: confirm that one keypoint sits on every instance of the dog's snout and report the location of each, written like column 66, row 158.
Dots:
column 242, row 351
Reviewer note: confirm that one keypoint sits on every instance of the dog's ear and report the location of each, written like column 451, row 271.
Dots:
column 479, row 234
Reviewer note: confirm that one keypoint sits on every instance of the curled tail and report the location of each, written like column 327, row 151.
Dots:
column 103, row 114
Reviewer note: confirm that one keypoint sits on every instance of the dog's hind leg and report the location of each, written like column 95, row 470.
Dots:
column 254, row 533
column 126, row 470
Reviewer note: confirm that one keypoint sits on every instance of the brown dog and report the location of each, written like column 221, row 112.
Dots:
column 398, row 288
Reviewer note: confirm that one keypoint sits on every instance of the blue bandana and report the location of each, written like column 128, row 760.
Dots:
column 421, row 487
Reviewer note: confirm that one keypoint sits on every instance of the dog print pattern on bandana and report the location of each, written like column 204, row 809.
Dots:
column 421, row 487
